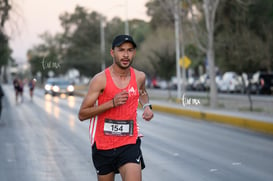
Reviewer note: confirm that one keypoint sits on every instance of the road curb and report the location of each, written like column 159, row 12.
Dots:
column 252, row 124
column 256, row 125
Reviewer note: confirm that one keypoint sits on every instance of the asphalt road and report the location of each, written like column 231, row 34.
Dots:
column 42, row 140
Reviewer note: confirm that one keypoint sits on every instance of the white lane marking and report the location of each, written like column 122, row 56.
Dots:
column 10, row 152
column 236, row 163
column 213, row 170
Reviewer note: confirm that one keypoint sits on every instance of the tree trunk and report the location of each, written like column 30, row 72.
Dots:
column 210, row 7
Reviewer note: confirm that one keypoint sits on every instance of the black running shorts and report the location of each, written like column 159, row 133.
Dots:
column 107, row 161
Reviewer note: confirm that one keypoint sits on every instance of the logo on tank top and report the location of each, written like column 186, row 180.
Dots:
column 131, row 91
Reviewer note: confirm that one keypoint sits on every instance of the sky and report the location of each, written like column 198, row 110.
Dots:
column 30, row 18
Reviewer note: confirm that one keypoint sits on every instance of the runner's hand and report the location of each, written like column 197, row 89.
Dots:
column 147, row 114
column 120, row 98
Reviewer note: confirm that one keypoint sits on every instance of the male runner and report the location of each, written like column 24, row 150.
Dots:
column 111, row 105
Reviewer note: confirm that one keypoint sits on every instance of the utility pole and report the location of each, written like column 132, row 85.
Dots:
column 177, row 48
column 102, row 43
column 184, row 80
column 126, row 18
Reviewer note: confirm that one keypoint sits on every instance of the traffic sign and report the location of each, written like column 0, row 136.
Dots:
column 185, row 61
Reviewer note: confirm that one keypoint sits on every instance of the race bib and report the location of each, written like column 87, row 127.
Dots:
column 118, row 127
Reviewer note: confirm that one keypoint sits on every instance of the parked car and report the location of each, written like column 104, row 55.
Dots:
column 230, row 82
column 262, row 83
column 203, row 82
column 173, row 84
column 57, row 86
column 157, row 83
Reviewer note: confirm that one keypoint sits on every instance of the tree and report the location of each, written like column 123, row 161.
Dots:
column 210, row 7
column 81, row 41
column 207, row 44
column 244, row 36
column 154, row 57
column 159, row 19
column 5, row 51
column 45, row 57
column 5, row 7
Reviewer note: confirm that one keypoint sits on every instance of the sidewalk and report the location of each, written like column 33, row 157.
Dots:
column 247, row 120
column 251, row 121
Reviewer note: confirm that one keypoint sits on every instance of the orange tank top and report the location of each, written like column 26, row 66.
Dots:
column 117, row 126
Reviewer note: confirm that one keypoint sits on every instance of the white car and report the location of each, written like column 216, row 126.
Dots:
column 57, row 86
column 230, row 82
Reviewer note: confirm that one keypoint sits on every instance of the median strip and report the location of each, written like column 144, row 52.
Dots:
column 257, row 125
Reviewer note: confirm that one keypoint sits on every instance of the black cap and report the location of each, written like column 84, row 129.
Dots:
column 120, row 39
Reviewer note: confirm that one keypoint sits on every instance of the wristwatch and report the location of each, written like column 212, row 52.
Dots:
column 147, row 104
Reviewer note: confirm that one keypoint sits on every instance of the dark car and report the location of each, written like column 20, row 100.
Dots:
column 57, row 86
column 262, row 83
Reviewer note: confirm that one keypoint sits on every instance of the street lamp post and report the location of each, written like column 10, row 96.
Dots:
column 177, row 45
column 102, row 43
column 126, row 18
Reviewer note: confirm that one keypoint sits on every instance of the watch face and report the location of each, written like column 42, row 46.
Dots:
column 150, row 106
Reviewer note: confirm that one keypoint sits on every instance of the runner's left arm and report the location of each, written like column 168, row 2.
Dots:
column 143, row 94
column 144, row 98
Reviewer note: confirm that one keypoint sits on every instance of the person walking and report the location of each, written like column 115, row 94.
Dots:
column 31, row 86
column 1, row 96
column 111, row 105
column 16, row 85
column 21, row 90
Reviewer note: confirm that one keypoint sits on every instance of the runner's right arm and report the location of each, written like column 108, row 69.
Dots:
column 88, row 108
